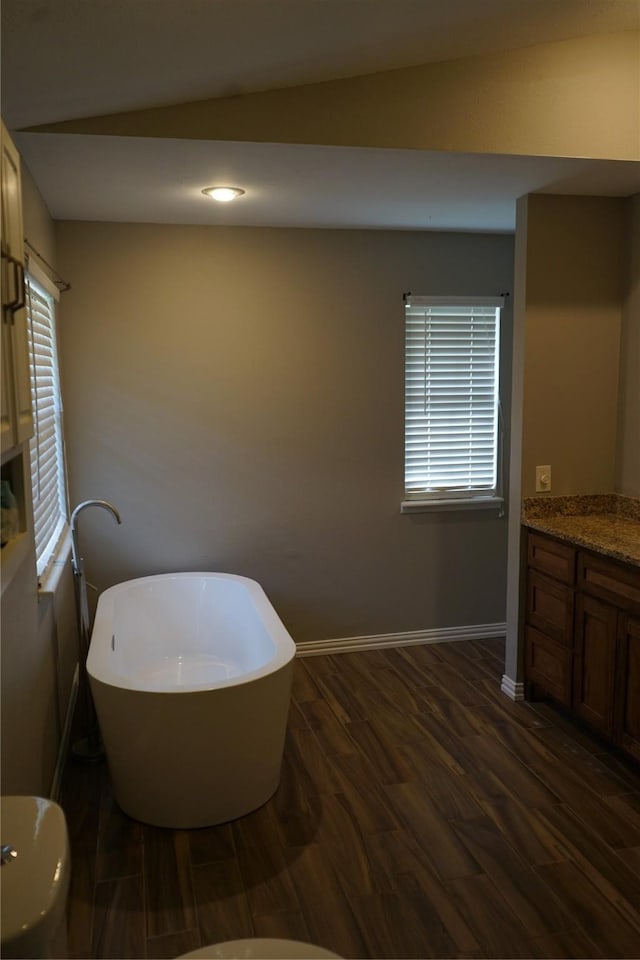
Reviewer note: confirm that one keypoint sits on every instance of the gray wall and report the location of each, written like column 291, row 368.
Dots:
column 628, row 459
column 575, row 320
column 574, row 289
column 39, row 633
column 238, row 394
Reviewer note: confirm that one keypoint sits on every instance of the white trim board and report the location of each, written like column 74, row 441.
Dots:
column 63, row 749
column 513, row 689
column 477, row 631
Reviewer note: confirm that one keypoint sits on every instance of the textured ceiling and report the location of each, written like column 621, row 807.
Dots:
column 75, row 58
column 66, row 59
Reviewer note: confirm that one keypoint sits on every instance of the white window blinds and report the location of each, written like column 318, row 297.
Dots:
column 47, row 464
column 451, row 397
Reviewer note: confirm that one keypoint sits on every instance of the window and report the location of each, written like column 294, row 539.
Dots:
column 452, row 430
column 47, row 462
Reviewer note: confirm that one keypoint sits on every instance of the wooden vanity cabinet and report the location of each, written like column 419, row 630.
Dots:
column 550, row 616
column 582, row 636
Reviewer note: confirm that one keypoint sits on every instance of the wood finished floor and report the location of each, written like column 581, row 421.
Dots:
column 420, row 814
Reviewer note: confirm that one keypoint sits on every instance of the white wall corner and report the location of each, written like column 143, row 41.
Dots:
column 512, row 688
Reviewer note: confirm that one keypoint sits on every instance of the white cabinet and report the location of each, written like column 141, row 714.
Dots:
column 16, row 419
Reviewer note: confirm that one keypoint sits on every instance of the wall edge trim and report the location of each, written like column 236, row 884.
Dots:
column 512, row 688
column 478, row 631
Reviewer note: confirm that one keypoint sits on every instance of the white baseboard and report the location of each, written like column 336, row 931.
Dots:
column 512, row 688
column 63, row 749
column 482, row 631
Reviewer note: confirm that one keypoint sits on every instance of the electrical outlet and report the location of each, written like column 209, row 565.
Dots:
column 543, row 479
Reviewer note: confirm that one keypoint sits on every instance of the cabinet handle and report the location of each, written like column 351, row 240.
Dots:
column 6, row 263
column 19, row 299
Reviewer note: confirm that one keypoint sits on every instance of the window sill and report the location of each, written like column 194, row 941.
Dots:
column 460, row 503
column 50, row 577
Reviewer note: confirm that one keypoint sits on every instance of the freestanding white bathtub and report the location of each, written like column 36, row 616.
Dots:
column 191, row 678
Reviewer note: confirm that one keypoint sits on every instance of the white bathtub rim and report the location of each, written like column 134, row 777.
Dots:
column 97, row 660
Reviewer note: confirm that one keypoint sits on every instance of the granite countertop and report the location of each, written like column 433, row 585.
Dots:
column 606, row 523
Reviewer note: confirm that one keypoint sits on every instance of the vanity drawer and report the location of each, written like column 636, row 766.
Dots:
column 550, row 607
column 619, row 583
column 556, row 559
column 549, row 665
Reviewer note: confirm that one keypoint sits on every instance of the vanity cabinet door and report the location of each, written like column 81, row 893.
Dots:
column 627, row 694
column 595, row 663
column 16, row 420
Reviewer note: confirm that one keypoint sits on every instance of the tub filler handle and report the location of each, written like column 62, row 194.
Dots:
column 90, row 748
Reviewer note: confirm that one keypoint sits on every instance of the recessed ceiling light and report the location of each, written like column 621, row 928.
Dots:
column 223, row 194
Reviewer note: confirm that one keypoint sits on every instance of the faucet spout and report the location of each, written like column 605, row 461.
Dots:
column 75, row 554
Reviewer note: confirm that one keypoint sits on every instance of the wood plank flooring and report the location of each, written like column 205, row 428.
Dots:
column 420, row 814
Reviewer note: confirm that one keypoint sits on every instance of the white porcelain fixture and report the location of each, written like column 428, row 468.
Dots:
column 191, row 678
column 34, row 878
column 259, row 948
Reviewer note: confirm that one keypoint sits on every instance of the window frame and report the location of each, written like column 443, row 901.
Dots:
column 39, row 283
column 451, row 497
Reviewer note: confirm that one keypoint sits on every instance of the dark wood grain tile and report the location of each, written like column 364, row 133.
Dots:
column 311, row 763
column 595, row 811
column 631, row 856
column 330, row 918
column 296, row 717
column 451, row 793
column 594, row 915
column 169, row 900
column 421, row 658
column 335, row 690
column 535, row 843
column 222, row 907
column 386, row 762
column 296, row 810
column 459, row 689
column 173, row 945
column 211, row 843
column 364, row 795
column 565, row 946
column 456, row 718
column 496, row 928
column 114, row 900
column 521, row 889
column 491, row 647
column 304, row 686
column 595, row 774
column 518, row 712
column 81, row 901
column 420, row 813
column 599, row 864
column 262, row 863
column 397, row 856
column 401, row 930
column 119, row 849
column 284, row 925
column 345, row 847
column 412, row 677
column 627, row 807
column 431, row 832
column 515, row 778
column 330, row 732
column 565, row 781
column 466, row 667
